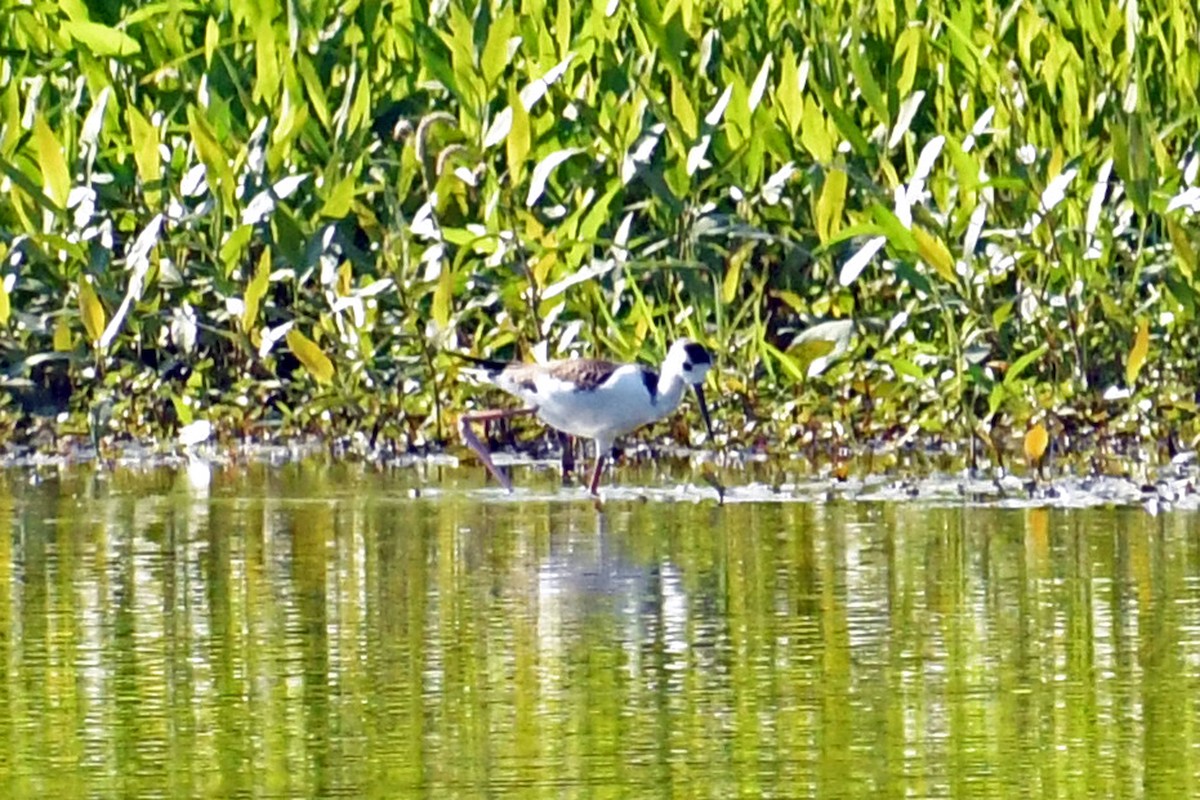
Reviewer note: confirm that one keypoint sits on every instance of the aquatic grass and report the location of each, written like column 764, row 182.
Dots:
column 280, row 218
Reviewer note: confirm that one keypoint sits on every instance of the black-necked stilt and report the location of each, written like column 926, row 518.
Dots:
column 598, row 400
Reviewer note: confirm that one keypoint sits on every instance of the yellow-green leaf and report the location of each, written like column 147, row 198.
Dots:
column 212, row 37
column 361, row 110
column 1036, row 442
column 62, row 336
column 102, row 40
column 788, row 94
column 1138, row 353
column 442, row 296
column 519, row 138
column 733, row 272
column 5, row 304
column 218, row 173
column 831, row 204
column 337, row 203
column 683, row 110
column 1185, row 253
column 934, row 253
column 310, row 355
column 494, row 59
column 814, row 134
column 56, row 178
column 255, row 291
column 266, row 63
column 145, row 154
column 90, row 310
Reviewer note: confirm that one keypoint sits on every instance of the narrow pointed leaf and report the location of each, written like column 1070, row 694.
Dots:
column 56, row 178
column 1138, row 353
column 310, row 356
column 90, row 310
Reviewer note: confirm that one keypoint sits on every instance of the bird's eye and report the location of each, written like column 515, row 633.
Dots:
column 687, row 365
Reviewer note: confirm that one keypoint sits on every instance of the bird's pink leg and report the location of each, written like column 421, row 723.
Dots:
column 472, row 441
column 597, row 471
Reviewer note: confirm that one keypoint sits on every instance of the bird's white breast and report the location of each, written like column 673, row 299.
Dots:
column 615, row 407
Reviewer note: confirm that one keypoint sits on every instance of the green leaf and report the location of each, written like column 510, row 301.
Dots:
column 212, row 38
column 233, row 247
column 519, row 139
column 90, row 310
column 56, row 178
column 101, row 40
column 218, row 173
column 845, row 124
column 788, row 94
column 255, row 291
column 62, row 336
column 310, row 355
column 813, row 133
column 683, row 110
column 442, row 297
column 865, row 81
column 831, row 204
column 898, row 236
column 314, row 88
column 145, row 154
column 338, row 201
column 266, row 62
column 495, row 51
column 1138, row 353
column 1185, row 253
column 5, row 303
column 361, row 110
column 1023, row 363
column 934, row 253
column 733, row 272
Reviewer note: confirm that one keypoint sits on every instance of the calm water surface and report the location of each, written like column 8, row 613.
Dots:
column 314, row 630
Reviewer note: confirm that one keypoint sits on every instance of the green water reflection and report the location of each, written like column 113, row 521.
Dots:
column 315, row 630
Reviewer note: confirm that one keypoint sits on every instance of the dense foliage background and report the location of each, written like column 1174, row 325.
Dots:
column 894, row 219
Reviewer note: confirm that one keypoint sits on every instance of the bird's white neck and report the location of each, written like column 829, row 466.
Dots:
column 670, row 391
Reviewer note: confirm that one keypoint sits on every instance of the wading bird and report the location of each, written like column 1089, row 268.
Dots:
column 598, row 400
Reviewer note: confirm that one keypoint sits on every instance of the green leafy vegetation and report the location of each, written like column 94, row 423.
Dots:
column 279, row 217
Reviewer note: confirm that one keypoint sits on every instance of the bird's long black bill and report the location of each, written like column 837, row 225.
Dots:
column 703, row 409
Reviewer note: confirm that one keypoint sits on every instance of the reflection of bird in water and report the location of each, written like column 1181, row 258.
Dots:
column 590, row 587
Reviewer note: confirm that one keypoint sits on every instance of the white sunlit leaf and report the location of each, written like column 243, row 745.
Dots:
column 621, row 238
column 286, row 187
column 258, row 209
column 1189, row 198
column 270, row 336
column 499, row 128
column 760, row 83
column 695, row 157
column 858, row 262
column 905, row 116
column 718, row 111
column 928, row 158
column 642, row 152
column 1096, row 202
column 541, row 173
column 424, row 224
column 537, row 88
column 590, row 272
column 974, row 229
column 193, row 184
column 90, row 132
column 903, row 206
